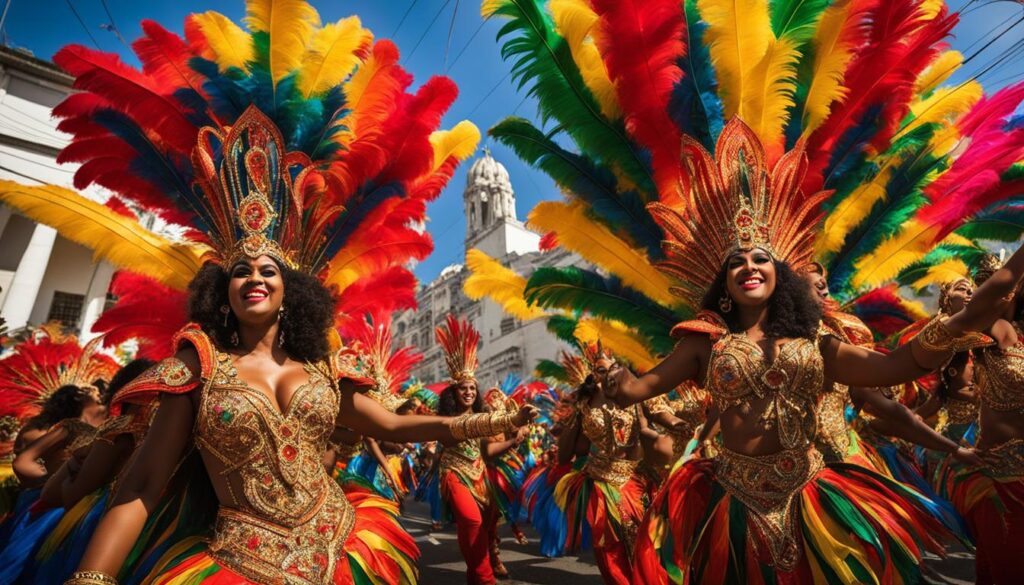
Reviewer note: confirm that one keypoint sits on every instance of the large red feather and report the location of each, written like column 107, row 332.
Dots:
column 641, row 42
column 146, row 311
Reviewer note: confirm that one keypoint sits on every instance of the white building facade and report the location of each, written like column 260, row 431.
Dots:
column 44, row 277
column 507, row 346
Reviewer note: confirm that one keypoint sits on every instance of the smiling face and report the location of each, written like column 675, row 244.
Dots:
column 818, row 284
column 750, row 277
column 957, row 296
column 466, row 392
column 256, row 290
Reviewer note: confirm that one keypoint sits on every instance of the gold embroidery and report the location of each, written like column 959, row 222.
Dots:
column 288, row 524
column 1000, row 374
column 739, row 373
column 1007, row 459
column 936, row 337
column 609, row 428
column 833, row 438
column 768, row 485
column 465, row 460
column 173, row 372
column 961, row 411
column 609, row 468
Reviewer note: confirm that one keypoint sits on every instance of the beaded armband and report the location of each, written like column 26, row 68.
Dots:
column 476, row 426
column 936, row 337
column 90, row 578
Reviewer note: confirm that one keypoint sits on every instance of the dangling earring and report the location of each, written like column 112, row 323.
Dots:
column 225, row 310
column 280, row 326
column 234, row 338
column 725, row 303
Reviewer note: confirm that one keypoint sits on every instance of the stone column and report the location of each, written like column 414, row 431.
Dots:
column 29, row 277
column 95, row 299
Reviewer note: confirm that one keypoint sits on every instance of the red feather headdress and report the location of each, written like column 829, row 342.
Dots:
column 458, row 340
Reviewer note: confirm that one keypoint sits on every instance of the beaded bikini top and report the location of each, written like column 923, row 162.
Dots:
column 609, row 428
column 290, row 519
column 1000, row 374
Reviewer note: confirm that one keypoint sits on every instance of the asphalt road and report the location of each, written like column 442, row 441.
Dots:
column 442, row 564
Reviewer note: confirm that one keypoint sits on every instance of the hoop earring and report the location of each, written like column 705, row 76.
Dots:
column 225, row 310
column 725, row 303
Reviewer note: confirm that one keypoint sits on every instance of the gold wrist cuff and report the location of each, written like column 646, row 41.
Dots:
column 90, row 578
column 937, row 337
column 476, row 426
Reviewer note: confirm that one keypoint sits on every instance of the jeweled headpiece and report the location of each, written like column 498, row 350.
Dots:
column 458, row 340
column 578, row 366
column 987, row 266
column 735, row 203
column 43, row 363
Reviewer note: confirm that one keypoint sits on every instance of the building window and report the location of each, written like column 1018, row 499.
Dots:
column 66, row 308
column 508, row 325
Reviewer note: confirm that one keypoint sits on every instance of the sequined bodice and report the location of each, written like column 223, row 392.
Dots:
column 1000, row 374
column 739, row 373
column 609, row 428
column 290, row 520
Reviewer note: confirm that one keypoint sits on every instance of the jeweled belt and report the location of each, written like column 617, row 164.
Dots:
column 1007, row 459
column 261, row 550
column 610, row 469
column 767, row 485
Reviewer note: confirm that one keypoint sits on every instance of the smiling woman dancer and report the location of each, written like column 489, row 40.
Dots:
column 758, row 350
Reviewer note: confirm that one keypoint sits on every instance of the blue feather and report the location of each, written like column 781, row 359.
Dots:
column 694, row 104
column 357, row 208
column 848, row 153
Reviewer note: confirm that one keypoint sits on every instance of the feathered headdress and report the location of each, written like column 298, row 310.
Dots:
column 290, row 138
column 43, row 363
column 458, row 340
column 987, row 266
column 377, row 361
column 736, row 203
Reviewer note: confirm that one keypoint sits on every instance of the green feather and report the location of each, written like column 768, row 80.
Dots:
column 542, row 58
column 797, row 19
column 563, row 327
column 550, row 369
column 574, row 288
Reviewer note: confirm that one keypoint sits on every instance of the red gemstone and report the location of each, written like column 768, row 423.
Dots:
column 324, row 528
column 286, row 431
column 320, row 559
column 289, row 453
column 786, row 465
column 267, row 479
column 253, row 543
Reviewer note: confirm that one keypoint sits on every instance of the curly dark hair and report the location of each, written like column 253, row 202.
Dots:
column 65, row 402
column 308, row 305
column 448, row 403
column 792, row 311
column 129, row 372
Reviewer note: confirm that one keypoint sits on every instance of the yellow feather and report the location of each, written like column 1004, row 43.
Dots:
column 231, row 46
column 117, row 239
column 955, row 239
column 765, row 107
column 597, row 244
column 459, row 142
column 290, row 25
column 915, row 309
column 488, row 278
column 938, row 72
column 945, row 105
column 739, row 35
column 489, row 7
column 574, row 21
column 851, row 211
column 333, row 55
column 618, row 339
column 943, row 272
column 830, row 62
column 929, row 9
column 887, row 260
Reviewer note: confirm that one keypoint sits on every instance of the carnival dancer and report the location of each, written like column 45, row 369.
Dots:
column 607, row 496
column 765, row 367
column 991, row 497
column 507, row 471
column 49, row 382
column 464, row 484
column 82, row 484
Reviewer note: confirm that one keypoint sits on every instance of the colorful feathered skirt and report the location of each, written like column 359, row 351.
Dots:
column 377, row 551
column 538, row 500
column 783, row 518
column 507, row 474
column 25, row 532
column 63, row 548
column 428, row 489
column 364, row 469
column 603, row 502
column 991, row 500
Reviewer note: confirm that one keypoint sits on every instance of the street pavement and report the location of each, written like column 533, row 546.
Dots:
column 442, row 564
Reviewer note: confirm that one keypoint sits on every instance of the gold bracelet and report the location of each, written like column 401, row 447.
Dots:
column 90, row 578
column 476, row 426
column 936, row 337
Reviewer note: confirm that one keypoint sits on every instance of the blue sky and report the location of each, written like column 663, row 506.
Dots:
column 425, row 31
